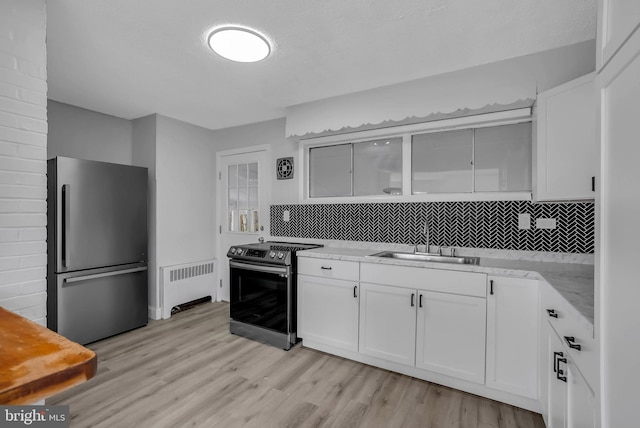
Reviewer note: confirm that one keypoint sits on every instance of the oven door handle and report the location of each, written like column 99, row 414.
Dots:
column 283, row 271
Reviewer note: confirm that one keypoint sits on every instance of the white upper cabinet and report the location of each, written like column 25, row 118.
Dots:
column 617, row 20
column 564, row 153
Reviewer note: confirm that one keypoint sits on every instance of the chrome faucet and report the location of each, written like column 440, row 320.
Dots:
column 425, row 233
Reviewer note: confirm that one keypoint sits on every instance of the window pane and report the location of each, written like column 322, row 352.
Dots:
column 377, row 167
column 330, row 171
column 233, row 199
column 441, row 162
column 503, row 158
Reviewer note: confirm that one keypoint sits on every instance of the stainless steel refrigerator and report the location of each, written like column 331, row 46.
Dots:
column 97, row 248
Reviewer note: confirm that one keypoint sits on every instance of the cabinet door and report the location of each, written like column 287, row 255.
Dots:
column 388, row 322
column 512, row 336
column 451, row 335
column 328, row 312
column 581, row 403
column 565, row 148
column 557, row 387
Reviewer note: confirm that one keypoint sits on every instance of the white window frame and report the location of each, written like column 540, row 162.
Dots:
column 508, row 117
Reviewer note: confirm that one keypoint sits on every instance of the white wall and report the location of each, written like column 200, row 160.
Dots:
column 23, row 154
column 181, row 194
column 143, row 153
column 185, row 179
column 79, row 133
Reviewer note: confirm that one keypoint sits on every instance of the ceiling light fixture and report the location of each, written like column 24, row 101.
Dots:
column 239, row 44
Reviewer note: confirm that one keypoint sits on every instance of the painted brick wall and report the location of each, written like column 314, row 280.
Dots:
column 23, row 154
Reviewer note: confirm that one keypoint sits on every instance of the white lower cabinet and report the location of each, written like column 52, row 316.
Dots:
column 328, row 311
column 512, row 335
column 388, row 323
column 571, row 403
column 440, row 332
column 450, row 335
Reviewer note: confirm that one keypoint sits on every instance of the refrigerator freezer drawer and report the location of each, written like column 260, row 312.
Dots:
column 92, row 305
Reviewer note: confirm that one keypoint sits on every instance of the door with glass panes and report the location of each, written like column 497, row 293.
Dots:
column 243, row 212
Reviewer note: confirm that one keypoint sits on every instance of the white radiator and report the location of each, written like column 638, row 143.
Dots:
column 186, row 282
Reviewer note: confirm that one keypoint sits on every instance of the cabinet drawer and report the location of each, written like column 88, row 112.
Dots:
column 566, row 322
column 444, row 281
column 328, row 268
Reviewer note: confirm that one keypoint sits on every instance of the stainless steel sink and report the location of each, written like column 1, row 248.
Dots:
column 428, row 257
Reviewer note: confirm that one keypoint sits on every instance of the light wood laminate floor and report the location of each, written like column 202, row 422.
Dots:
column 189, row 371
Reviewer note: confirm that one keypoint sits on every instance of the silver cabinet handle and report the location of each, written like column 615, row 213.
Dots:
column 103, row 275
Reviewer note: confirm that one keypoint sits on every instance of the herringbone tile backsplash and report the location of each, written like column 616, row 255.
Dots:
column 459, row 224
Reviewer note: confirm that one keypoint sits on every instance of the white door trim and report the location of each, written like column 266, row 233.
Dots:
column 222, row 252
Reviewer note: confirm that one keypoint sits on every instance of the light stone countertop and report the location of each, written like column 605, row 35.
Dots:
column 574, row 282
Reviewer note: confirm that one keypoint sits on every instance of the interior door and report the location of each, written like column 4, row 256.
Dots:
column 243, row 215
column 102, row 214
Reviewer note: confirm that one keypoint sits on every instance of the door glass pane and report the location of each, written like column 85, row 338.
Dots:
column 233, row 175
column 377, row 167
column 242, row 174
column 503, row 158
column 330, row 171
column 253, row 174
column 441, row 162
column 243, row 203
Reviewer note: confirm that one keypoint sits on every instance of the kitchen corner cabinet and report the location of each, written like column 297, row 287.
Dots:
column 570, row 403
column 512, row 335
column 564, row 148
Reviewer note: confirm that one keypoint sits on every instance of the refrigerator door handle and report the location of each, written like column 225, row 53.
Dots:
column 66, row 223
column 102, row 275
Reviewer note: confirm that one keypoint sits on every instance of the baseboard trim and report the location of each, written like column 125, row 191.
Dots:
column 154, row 313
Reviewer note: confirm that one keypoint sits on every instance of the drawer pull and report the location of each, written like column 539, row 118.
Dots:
column 570, row 341
column 491, row 286
column 355, row 291
column 552, row 313
column 413, row 297
column 325, row 268
column 420, row 301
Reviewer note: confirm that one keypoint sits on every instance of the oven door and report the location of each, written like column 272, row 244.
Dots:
column 261, row 295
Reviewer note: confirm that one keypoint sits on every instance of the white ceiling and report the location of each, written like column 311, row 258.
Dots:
column 134, row 58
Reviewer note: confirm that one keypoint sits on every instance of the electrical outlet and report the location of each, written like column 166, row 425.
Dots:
column 545, row 223
column 524, row 221
column 285, row 215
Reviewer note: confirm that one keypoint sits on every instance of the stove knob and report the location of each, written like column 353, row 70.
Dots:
column 280, row 255
column 272, row 254
column 239, row 252
column 233, row 250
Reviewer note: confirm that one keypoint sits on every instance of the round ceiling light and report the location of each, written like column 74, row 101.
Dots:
column 239, row 44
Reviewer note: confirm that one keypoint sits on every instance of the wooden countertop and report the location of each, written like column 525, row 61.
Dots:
column 36, row 362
